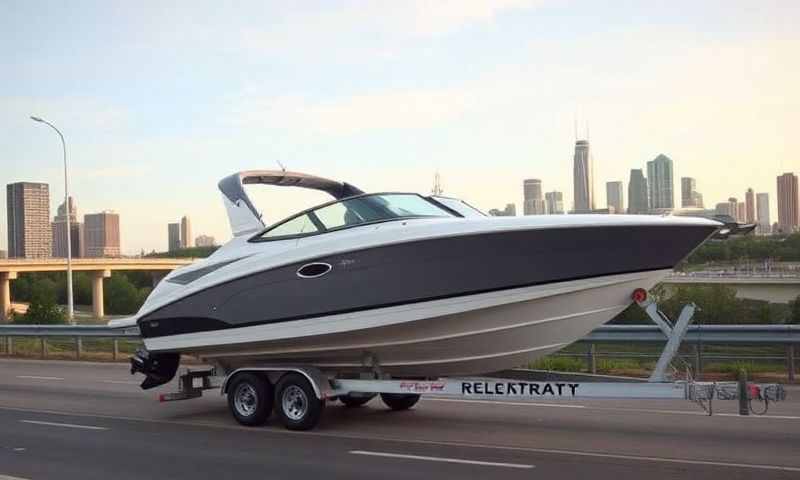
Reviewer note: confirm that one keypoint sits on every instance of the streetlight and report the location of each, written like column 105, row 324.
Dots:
column 70, row 310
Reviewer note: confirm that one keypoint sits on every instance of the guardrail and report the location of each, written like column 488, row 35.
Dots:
column 697, row 336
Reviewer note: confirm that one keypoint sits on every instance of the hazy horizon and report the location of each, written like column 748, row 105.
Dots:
column 157, row 103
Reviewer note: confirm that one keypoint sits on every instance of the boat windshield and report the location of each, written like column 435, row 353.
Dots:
column 354, row 211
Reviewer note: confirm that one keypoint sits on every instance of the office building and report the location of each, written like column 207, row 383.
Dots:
column 554, row 202
column 741, row 212
column 186, row 232
column 690, row 197
column 788, row 211
column 638, row 199
column 583, row 178
column 59, row 227
column 101, row 233
column 659, row 182
column 762, row 213
column 750, row 206
column 533, row 201
column 173, row 237
column 614, row 198
column 206, row 241
column 29, row 231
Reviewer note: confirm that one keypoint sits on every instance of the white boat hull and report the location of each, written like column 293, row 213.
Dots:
column 459, row 336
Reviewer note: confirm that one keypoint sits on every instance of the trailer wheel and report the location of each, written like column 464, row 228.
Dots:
column 250, row 399
column 353, row 401
column 399, row 401
column 297, row 406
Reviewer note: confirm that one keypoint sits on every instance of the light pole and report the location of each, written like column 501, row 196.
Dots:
column 70, row 310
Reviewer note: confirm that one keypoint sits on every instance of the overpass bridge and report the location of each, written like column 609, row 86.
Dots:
column 780, row 287
column 99, row 268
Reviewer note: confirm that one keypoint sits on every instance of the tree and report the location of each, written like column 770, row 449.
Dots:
column 794, row 307
column 121, row 296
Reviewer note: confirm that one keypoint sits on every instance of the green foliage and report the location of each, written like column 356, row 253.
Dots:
column 794, row 310
column 121, row 296
column 750, row 247
column 43, row 309
column 193, row 252
column 559, row 364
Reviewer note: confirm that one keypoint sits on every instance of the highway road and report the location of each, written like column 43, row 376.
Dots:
column 76, row 420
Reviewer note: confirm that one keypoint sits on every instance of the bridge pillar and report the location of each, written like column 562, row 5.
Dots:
column 5, row 295
column 97, row 292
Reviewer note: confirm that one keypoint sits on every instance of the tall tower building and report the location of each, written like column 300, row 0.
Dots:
column 102, row 234
column 554, row 202
column 741, row 212
column 186, row 232
column 29, row 231
column 637, row 193
column 659, row 182
column 534, row 203
column 690, row 197
column 60, row 231
column 788, row 211
column 750, row 206
column 762, row 213
column 583, row 178
column 174, row 237
column 614, row 198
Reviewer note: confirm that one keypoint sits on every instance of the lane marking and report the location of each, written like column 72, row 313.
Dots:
column 778, row 417
column 344, row 435
column 438, row 459
column 495, row 402
column 35, row 377
column 6, row 477
column 65, row 425
column 123, row 382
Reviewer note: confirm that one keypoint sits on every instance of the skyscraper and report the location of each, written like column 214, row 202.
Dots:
column 102, row 234
column 741, row 212
column 614, row 198
column 28, row 208
column 186, row 232
column 59, row 227
column 534, row 203
column 690, row 197
column 174, row 237
column 750, row 206
column 583, row 178
column 637, row 193
column 659, row 182
column 554, row 201
column 733, row 208
column 762, row 213
column 788, row 211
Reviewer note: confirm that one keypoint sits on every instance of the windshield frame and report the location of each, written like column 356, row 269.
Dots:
column 259, row 237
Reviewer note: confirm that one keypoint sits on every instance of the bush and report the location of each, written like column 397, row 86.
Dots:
column 42, row 310
column 558, row 364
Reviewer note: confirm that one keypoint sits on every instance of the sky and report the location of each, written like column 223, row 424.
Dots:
column 159, row 100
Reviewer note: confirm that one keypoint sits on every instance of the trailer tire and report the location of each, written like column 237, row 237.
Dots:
column 400, row 401
column 297, row 405
column 250, row 399
column 354, row 401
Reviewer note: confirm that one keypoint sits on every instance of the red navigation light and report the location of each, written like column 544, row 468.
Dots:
column 639, row 295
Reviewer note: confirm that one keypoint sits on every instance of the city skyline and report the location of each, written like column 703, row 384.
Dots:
column 429, row 92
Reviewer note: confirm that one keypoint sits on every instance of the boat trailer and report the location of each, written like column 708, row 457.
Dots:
column 298, row 393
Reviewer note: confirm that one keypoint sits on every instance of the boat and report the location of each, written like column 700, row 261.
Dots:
column 400, row 284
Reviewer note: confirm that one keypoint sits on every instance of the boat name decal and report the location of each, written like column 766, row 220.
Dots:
column 422, row 387
column 519, row 388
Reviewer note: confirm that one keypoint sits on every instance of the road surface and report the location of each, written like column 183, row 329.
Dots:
column 76, row 420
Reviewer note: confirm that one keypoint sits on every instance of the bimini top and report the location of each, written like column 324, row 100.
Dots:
column 242, row 214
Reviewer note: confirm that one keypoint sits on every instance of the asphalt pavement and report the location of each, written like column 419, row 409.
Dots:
column 78, row 420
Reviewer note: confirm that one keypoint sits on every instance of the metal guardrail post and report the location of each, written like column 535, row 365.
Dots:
column 9, row 346
column 115, row 352
column 744, row 403
column 698, row 361
column 44, row 347
column 78, row 347
column 592, row 358
column 790, row 362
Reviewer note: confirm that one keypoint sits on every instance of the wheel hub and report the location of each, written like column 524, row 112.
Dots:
column 245, row 399
column 294, row 402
